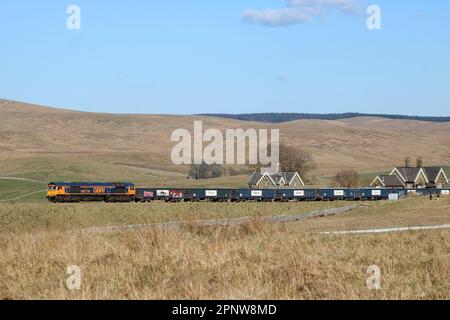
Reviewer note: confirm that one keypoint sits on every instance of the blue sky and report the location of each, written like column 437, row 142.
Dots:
column 188, row 57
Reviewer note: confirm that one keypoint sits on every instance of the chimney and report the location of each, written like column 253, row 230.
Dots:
column 408, row 162
column 419, row 162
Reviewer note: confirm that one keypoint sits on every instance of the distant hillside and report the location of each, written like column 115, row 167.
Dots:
column 45, row 144
column 286, row 117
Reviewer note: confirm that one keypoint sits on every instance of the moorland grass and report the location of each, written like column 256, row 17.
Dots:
column 252, row 261
column 33, row 217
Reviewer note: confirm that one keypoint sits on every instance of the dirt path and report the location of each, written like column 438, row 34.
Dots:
column 4, row 103
column 20, row 179
column 275, row 219
column 228, row 222
column 388, row 230
column 24, row 196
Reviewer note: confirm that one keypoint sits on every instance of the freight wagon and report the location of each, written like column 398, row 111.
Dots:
column 264, row 195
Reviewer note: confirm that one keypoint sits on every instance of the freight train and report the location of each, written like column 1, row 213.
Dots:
column 64, row 192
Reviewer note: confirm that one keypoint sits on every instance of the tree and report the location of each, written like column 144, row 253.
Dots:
column 204, row 171
column 293, row 160
column 346, row 178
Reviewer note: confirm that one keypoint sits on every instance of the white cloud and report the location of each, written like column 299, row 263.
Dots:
column 297, row 11
column 345, row 5
column 280, row 17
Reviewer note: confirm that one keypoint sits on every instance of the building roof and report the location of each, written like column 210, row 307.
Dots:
column 389, row 181
column 257, row 177
column 409, row 174
column 286, row 176
column 277, row 178
column 433, row 174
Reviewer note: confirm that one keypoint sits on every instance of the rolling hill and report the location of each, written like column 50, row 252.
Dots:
column 46, row 144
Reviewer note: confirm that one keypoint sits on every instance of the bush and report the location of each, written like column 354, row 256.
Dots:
column 347, row 178
column 204, row 171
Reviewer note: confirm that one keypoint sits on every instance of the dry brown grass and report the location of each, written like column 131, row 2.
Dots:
column 253, row 261
column 35, row 217
column 250, row 261
column 415, row 211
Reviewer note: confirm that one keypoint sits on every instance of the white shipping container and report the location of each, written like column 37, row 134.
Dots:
column 257, row 193
column 445, row 192
column 162, row 193
column 299, row 193
column 393, row 197
column 338, row 193
column 376, row 192
column 211, row 193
